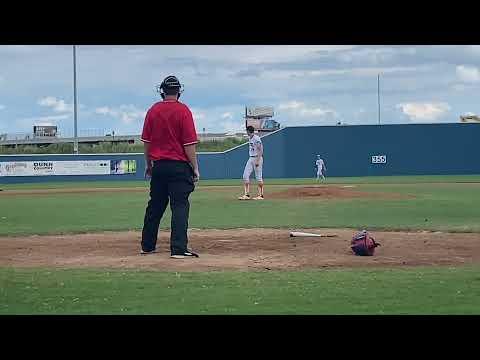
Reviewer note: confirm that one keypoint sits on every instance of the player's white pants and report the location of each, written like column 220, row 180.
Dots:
column 250, row 166
column 319, row 173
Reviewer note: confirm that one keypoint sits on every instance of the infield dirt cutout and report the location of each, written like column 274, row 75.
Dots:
column 322, row 191
column 240, row 249
column 331, row 192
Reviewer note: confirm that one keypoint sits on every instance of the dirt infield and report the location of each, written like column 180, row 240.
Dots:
column 293, row 192
column 240, row 249
column 331, row 192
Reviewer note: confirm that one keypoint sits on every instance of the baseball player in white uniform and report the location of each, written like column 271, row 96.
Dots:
column 254, row 164
column 320, row 164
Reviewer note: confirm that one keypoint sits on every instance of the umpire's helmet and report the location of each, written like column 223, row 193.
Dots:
column 170, row 86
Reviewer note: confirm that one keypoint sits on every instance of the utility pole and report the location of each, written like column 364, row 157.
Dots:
column 75, row 135
column 378, row 97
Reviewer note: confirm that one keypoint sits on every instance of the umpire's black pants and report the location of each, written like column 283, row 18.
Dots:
column 171, row 180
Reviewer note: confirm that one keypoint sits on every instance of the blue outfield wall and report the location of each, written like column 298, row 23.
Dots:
column 410, row 149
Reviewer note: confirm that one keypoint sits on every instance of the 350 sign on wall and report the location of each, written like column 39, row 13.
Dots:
column 379, row 159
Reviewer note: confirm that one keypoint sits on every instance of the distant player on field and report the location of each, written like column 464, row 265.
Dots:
column 320, row 164
column 254, row 163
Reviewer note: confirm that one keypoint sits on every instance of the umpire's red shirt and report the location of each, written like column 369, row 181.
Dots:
column 168, row 128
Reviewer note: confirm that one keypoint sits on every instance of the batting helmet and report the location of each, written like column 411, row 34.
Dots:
column 169, row 86
column 363, row 244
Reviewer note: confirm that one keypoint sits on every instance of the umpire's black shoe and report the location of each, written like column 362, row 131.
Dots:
column 143, row 252
column 184, row 255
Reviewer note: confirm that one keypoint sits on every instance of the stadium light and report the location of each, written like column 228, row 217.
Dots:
column 378, row 97
column 75, row 138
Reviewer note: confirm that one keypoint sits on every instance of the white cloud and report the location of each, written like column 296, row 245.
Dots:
column 45, row 123
column 230, row 126
column 105, row 110
column 48, row 118
column 371, row 55
column 468, row 73
column 291, row 105
column 359, row 115
column 323, row 77
column 125, row 113
column 198, row 114
column 26, row 124
column 424, row 111
column 360, row 71
column 299, row 108
column 373, row 71
column 2, row 107
column 254, row 54
column 24, row 49
column 58, row 105
column 227, row 115
column 219, row 119
column 317, row 112
column 459, row 87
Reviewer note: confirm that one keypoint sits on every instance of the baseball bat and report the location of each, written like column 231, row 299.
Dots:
column 305, row 234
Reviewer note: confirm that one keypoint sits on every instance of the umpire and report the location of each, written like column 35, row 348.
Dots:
column 170, row 139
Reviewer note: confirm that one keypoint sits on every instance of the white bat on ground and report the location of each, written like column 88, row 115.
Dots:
column 305, row 234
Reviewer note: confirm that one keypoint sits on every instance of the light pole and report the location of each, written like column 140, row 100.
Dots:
column 75, row 138
column 378, row 97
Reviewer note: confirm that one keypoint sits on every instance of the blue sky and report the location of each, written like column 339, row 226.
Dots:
column 306, row 85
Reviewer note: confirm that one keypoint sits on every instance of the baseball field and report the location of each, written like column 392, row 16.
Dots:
column 73, row 248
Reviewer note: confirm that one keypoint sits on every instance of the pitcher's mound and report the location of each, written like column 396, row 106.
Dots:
column 330, row 192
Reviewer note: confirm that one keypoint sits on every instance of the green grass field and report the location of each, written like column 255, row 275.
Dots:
column 445, row 203
column 374, row 291
column 428, row 179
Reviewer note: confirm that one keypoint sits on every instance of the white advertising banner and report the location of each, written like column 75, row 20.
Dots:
column 88, row 167
column 16, row 168
column 80, row 167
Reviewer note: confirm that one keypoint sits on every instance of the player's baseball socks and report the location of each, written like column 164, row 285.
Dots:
column 244, row 197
